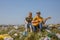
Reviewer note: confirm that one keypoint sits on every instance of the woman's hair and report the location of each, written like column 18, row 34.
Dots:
column 30, row 13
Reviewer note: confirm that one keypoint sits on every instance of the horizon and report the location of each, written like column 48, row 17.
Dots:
column 15, row 11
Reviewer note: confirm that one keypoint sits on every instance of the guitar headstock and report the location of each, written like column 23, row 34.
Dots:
column 49, row 18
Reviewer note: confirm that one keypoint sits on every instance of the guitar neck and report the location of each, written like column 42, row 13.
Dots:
column 46, row 19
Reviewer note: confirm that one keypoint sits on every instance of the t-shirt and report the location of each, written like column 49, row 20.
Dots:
column 40, row 19
column 36, row 20
column 28, row 19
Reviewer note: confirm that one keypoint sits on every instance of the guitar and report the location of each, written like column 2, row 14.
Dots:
column 36, row 22
column 47, row 19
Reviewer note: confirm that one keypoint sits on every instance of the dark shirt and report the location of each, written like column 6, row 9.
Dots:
column 28, row 19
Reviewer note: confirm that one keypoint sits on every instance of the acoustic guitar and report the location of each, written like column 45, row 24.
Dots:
column 37, row 21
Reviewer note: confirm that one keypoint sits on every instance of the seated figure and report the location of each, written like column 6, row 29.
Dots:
column 38, row 22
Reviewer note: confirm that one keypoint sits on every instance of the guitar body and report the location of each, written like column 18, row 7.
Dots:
column 39, row 20
column 36, row 22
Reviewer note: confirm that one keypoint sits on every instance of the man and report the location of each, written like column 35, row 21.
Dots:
column 28, row 22
column 38, row 21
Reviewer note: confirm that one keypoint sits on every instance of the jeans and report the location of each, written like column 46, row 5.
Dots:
column 28, row 25
column 38, row 27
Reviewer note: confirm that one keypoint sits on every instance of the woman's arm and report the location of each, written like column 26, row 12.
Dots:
column 26, row 22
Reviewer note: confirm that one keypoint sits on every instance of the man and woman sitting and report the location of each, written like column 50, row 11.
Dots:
column 35, row 23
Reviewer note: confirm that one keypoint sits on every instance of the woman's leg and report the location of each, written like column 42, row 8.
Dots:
column 26, row 30
column 31, row 27
column 26, row 27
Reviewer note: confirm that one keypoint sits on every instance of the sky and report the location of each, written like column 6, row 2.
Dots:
column 15, row 11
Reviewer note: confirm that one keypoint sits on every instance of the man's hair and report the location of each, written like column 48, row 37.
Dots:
column 38, row 12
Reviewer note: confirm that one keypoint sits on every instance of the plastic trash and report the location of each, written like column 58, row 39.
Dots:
column 58, row 28
column 48, row 31
column 49, row 28
column 58, row 35
column 42, row 38
column 25, row 33
column 15, row 34
column 16, row 27
column 8, row 38
column 47, row 38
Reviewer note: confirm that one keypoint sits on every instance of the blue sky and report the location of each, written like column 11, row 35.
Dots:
column 14, row 11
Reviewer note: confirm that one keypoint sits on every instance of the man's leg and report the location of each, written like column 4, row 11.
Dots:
column 40, row 26
column 34, row 28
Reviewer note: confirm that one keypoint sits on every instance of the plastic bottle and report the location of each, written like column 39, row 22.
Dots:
column 47, row 38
